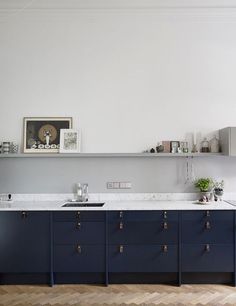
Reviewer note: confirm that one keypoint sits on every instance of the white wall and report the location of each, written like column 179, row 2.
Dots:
column 131, row 73
column 129, row 77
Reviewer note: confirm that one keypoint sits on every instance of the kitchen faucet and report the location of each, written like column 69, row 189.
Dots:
column 82, row 192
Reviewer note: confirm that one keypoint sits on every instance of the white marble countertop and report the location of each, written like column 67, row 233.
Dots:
column 115, row 205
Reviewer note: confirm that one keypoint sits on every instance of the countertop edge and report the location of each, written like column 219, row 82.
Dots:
column 116, row 206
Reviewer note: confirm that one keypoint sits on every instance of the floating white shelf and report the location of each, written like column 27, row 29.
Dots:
column 94, row 155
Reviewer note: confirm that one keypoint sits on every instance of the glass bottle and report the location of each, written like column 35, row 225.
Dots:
column 214, row 145
column 205, row 146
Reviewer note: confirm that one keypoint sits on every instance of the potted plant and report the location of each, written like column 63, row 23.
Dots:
column 205, row 186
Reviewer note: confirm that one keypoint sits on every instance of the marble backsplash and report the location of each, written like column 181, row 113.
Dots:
column 115, row 196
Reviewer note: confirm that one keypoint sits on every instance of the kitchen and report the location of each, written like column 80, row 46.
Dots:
column 126, row 77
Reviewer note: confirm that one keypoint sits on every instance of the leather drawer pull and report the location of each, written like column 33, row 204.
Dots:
column 207, row 248
column 79, row 249
column 165, row 248
column 121, row 225
column 165, row 225
column 208, row 225
column 121, row 249
column 78, row 214
column 121, row 214
column 24, row 214
column 78, row 225
column 207, row 213
column 165, row 215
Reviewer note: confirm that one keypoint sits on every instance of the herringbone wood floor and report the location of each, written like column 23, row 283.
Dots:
column 87, row 295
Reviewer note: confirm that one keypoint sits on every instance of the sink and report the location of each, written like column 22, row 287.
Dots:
column 82, row 204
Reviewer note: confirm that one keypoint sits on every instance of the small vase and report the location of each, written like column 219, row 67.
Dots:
column 219, row 193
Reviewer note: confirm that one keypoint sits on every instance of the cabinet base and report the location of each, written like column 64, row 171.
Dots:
column 143, row 278
column 24, row 278
column 207, row 278
column 79, row 278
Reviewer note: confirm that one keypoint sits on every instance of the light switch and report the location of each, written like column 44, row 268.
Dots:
column 113, row 185
column 119, row 185
column 116, row 185
column 125, row 185
column 109, row 185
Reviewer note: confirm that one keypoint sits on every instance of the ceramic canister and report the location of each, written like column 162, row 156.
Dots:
column 6, row 147
column 14, row 147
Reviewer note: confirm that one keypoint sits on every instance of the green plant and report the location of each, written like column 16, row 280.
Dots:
column 204, row 184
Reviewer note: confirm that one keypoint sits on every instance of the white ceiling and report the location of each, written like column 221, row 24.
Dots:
column 114, row 4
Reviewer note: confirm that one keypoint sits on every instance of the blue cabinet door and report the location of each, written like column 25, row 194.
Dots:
column 79, row 216
column 143, row 258
column 79, row 232
column 208, row 227
column 217, row 215
column 142, row 215
column 208, row 258
column 79, row 258
column 143, row 232
column 24, row 242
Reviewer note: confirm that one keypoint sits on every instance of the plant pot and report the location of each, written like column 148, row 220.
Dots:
column 206, row 194
column 219, row 191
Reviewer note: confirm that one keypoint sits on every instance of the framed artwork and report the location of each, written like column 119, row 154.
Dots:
column 69, row 141
column 166, row 145
column 42, row 134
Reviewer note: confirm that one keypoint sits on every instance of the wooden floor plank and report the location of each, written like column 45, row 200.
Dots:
column 131, row 295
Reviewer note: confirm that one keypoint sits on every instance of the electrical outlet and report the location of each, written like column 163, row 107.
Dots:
column 119, row 185
column 113, row 185
column 125, row 185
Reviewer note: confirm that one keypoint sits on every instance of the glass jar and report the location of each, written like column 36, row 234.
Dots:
column 205, row 146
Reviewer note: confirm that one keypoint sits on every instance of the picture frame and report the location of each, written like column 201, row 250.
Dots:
column 42, row 134
column 166, row 145
column 70, row 141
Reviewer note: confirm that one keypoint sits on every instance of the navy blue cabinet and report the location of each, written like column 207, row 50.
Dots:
column 83, row 232
column 142, row 215
column 79, row 245
column 89, row 246
column 207, row 241
column 143, row 258
column 78, row 215
column 24, row 242
column 143, row 241
column 208, row 227
column 79, row 258
column 208, row 258
column 143, row 232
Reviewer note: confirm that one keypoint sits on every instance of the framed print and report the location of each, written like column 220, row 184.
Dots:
column 42, row 134
column 69, row 141
column 166, row 145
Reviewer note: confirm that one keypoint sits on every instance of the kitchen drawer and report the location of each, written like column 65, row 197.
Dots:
column 130, row 232
column 219, row 258
column 143, row 258
column 142, row 215
column 207, row 231
column 86, row 258
column 79, row 232
column 79, row 215
column 219, row 215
